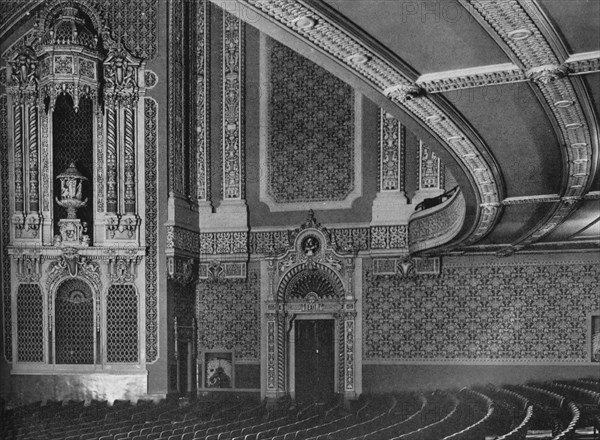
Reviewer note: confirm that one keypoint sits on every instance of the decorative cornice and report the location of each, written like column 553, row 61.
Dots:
column 541, row 53
column 329, row 34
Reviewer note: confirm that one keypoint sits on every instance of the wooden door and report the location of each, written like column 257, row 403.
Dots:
column 314, row 359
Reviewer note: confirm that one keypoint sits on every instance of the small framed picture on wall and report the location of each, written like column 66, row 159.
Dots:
column 595, row 337
column 218, row 370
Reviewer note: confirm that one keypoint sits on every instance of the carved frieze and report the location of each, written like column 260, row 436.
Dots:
column 223, row 243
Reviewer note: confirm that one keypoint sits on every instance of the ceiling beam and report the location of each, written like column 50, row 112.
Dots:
column 507, row 73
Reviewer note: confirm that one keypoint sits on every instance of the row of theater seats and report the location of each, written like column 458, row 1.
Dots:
column 555, row 410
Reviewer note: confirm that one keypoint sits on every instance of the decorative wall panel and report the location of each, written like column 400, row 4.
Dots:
column 5, row 221
column 233, row 107
column 228, row 316
column 201, row 128
column 30, row 323
column 429, row 168
column 310, row 150
column 177, row 175
column 122, row 323
column 527, row 312
column 391, row 153
column 150, row 152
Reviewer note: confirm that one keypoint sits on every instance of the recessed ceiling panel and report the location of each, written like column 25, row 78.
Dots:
column 430, row 36
column 578, row 21
column 516, row 129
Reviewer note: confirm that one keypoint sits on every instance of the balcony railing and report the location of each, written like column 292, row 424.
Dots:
column 438, row 225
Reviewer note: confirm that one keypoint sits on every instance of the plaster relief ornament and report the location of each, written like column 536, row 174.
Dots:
column 310, row 246
column 72, row 230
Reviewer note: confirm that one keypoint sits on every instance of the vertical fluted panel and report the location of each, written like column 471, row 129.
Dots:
column 34, row 195
column 18, row 142
column 111, row 161
column 129, row 163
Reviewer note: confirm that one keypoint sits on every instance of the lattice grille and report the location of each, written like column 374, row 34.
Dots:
column 74, row 323
column 73, row 139
column 121, row 324
column 30, row 325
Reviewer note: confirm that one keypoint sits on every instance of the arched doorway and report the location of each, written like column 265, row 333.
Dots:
column 309, row 316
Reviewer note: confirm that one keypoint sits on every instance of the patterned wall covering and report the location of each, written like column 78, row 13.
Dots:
column 528, row 312
column 133, row 21
column 311, row 131
column 228, row 316
column 5, row 219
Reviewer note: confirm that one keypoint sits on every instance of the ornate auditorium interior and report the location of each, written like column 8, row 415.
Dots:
column 297, row 198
